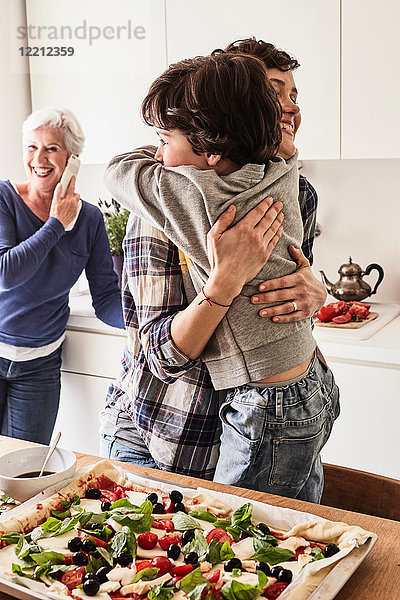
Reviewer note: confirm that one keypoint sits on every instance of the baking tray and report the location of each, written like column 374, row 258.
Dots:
column 326, row 590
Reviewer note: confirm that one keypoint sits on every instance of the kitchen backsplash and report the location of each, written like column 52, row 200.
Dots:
column 359, row 212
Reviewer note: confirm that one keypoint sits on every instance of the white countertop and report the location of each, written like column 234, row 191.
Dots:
column 83, row 318
column 383, row 347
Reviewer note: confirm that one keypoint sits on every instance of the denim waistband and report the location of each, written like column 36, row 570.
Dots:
column 279, row 384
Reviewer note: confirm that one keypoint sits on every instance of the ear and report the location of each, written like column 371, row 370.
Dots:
column 212, row 159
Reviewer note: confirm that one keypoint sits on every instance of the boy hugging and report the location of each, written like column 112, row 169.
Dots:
column 218, row 120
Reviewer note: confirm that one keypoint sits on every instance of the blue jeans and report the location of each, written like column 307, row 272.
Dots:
column 111, row 448
column 272, row 437
column 29, row 397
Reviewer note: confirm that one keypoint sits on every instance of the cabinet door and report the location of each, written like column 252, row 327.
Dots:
column 82, row 398
column 118, row 49
column 371, row 45
column 366, row 434
column 310, row 30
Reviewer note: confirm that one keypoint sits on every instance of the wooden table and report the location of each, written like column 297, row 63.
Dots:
column 378, row 576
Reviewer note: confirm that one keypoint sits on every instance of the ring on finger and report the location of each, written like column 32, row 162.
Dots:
column 294, row 306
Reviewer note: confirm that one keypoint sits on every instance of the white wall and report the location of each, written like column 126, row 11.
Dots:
column 15, row 100
column 359, row 212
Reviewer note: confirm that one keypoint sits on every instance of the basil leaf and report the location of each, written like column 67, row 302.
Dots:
column 183, row 522
column 214, row 552
column 236, row 572
column 272, row 555
column 94, row 565
column 7, row 499
column 85, row 518
column 105, row 554
column 316, row 553
column 226, row 552
column 262, row 579
column 61, row 514
column 235, row 532
column 161, row 592
column 45, row 557
column 11, row 538
column 242, row 516
column 234, row 590
column 18, row 570
column 193, row 584
column 118, row 543
column 222, row 523
column 22, row 549
column 258, row 534
column 203, row 515
column 123, row 502
column 138, row 523
column 146, row 574
column 198, row 544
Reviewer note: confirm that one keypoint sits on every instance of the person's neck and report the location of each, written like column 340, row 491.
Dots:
column 226, row 166
column 36, row 197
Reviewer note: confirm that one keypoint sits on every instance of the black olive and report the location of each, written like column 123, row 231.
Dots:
column 264, row 567
column 173, row 551
column 176, row 496
column 102, row 573
column 187, row 536
column 124, row 559
column 153, row 498
column 105, row 506
column 232, row 563
column 276, row 571
column 285, row 576
column 89, row 576
column 93, row 493
column 88, row 545
column 80, row 559
column 158, row 508
column 179, row 507
column 330, row 550
column 264, row 528
column 75, row 544
column 191, row 558
column 91, row 586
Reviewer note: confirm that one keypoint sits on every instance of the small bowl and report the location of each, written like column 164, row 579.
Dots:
column 62, row 464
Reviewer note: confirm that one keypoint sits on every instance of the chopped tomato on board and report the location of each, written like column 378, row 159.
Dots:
column 326, row 313
column 73, row 578
column 344, row 318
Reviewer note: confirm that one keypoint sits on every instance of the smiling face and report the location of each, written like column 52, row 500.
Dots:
column 174, row 150
column 45, row 157
column 284, row 85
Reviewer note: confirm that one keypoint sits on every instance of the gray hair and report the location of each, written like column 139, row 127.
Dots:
column 57, row 119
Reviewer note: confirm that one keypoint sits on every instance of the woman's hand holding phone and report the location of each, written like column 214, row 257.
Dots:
column 65, row 209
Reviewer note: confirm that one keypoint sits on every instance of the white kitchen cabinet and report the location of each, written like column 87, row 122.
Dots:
column 371, row 45
column 90, row 362
column 119, row 48
column 310, row 30
column 366, row 434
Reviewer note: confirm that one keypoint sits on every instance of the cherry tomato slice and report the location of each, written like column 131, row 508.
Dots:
column 213, row 576
column 165, row 524
column 219, row 535
column 182, row 570
column 163, row 564
column 73, row 578
column 166, row 541
column 147, row 540
column 142, row 564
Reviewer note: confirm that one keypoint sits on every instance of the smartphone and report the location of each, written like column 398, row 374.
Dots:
column 72, row 168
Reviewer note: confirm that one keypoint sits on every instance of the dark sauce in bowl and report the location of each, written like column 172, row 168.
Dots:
column 33, row 474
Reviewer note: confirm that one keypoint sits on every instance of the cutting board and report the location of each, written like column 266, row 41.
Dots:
column 385, row 312
column 350, row 324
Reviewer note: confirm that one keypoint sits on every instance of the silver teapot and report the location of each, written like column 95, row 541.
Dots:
column 351, row 286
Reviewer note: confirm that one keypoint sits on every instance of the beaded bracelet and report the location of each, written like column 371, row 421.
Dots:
column 209, row 301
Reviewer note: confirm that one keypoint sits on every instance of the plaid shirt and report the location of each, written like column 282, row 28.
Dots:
column 161, row 394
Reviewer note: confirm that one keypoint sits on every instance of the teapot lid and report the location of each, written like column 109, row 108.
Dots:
column 350, row 268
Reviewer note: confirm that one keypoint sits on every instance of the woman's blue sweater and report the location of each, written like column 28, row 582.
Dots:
column 40, row 262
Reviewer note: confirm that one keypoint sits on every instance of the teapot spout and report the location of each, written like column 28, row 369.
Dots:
column 326, row 281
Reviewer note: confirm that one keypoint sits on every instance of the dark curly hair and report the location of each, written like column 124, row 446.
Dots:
column 222, row 104
column 272, row 57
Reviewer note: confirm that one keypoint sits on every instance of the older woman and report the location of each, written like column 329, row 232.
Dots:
column 45, row 243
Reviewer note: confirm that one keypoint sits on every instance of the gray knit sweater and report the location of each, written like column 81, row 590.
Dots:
column 185, row 202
